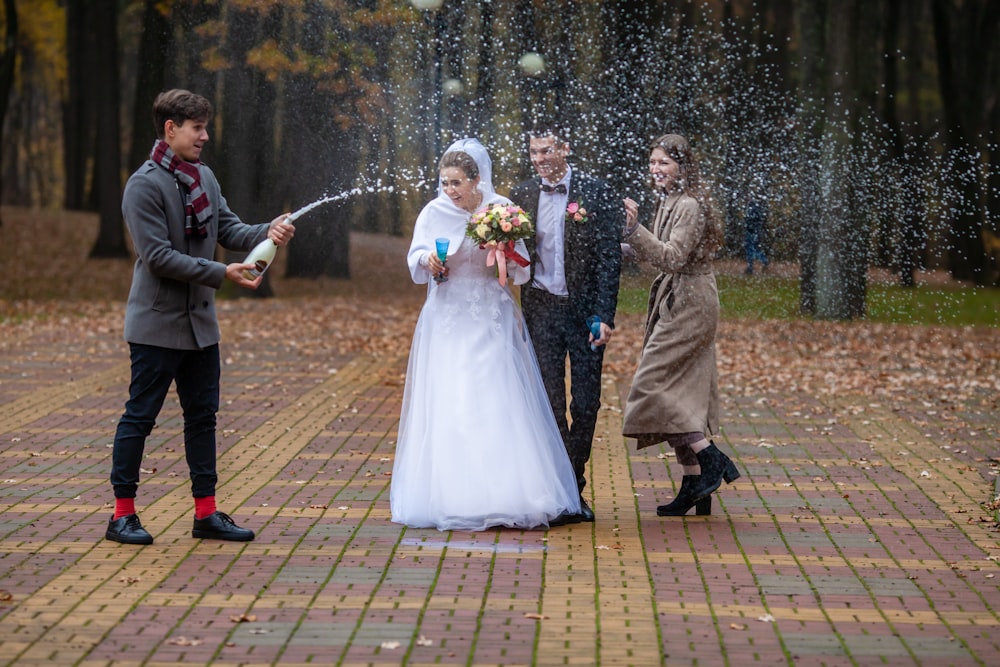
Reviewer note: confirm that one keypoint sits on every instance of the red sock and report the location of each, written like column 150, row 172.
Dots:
column 204, row 507
column 124, row 507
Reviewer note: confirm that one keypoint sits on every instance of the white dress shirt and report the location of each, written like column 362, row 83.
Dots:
column 550, row 228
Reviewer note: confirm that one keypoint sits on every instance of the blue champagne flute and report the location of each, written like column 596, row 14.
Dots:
column 594, row 324
column 442, row 253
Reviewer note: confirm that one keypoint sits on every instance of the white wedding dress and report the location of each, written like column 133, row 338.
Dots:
column 478, row 446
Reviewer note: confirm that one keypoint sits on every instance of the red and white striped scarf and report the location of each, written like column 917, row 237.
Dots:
column 198, row 207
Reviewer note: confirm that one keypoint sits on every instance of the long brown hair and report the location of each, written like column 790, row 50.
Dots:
column 689, row 181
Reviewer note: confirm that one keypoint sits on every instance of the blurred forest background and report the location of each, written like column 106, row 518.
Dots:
column 869, row 127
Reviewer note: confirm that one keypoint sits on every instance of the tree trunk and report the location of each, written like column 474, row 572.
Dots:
column 632, row 22
column 841, row 257
column 78, row 113
column 379, row 211
column 901, row 225
column 317, row 159
column 777, row 55
column 991, row 230
column 187, row 51
column 917, row 157
column 965, row 34
column 154, row 47
column 812, row 31
column 481, row 112
column 688, row 81
column 7, row 61
column 864, row 25
column 107, row 156
column 454, row 111
column 529, row 86
column 738, row 125
column 247, row 115
column 887, row 250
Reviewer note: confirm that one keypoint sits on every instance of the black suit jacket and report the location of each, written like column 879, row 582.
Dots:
column 592, row 248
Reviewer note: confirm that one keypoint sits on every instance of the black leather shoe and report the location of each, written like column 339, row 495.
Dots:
column 586, row 514
column 220, row 526
column 564, row 519
column 127, row 530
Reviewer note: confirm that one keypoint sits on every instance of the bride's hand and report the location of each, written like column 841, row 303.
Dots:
column 435, row 264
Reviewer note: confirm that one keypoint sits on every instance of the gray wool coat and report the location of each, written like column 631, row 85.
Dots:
column 172, row 299
column 675, row 388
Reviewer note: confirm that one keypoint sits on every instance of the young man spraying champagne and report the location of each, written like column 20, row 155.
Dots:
column 176, row 216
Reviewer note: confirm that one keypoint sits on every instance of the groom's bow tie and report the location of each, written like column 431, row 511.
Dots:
column 560, row 188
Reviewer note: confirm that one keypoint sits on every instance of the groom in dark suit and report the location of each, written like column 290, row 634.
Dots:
column 575, row 265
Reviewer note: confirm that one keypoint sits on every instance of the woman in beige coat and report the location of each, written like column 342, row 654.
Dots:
column 674, row 395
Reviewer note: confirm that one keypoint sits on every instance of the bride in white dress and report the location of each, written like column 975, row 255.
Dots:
column 478, row 446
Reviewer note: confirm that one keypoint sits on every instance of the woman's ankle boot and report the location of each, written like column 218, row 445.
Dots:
column 684, row 500
column 715, row 466
column 730, row 473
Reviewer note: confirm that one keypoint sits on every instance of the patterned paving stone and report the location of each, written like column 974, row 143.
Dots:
column 855, row 536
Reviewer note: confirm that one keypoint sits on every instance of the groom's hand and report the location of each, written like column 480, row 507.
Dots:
column 606, row 333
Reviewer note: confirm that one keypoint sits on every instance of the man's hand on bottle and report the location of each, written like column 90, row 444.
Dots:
column 235, row 271
column 280, row 231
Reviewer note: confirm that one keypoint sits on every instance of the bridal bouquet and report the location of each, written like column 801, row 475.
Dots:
column 497, row 228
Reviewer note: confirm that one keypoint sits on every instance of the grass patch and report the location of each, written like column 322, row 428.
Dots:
column 45, row 255
column 759, row 297
column 934, row 304
column 777, row 298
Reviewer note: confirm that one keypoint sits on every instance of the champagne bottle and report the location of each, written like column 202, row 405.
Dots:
column 261, row 257
column 263, row 253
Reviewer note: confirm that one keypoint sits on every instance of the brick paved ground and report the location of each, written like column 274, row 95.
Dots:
column 854, row 537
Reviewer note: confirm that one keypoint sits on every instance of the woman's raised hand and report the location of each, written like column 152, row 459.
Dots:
column 631, row 214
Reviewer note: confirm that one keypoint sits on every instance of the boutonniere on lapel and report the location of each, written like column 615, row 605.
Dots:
column 575, row 212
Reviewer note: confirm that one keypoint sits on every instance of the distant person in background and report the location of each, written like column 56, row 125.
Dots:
column 755, row 229
column 576, row 258
column 176, row 216
column 674, row 396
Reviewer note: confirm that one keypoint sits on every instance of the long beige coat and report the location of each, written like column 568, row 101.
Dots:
column 675, row 389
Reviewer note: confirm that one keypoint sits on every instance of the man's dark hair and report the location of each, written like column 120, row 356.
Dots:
column 179, row 105
column 546, row 129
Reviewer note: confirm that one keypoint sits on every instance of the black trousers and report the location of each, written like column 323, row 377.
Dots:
column 196, row 373
column 559, row 332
